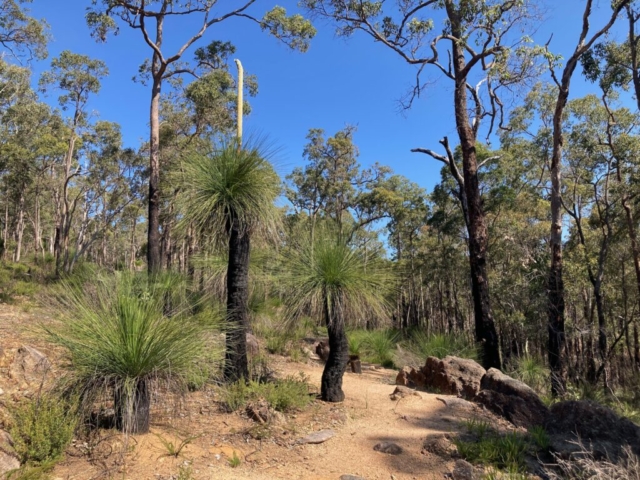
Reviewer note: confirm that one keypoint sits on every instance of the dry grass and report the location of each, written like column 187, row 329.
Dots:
column 585, row 467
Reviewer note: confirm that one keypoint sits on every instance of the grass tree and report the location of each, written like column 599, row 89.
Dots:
column 229, row 194
column 338, row 283
column 119, row 337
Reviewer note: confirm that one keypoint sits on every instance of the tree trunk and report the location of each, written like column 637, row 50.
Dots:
column 331, row 385
column 19, row 230
column 154, row 261
column 236, row 365
column 485, row 328
column 132, row 408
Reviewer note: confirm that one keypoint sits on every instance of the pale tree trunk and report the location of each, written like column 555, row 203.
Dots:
column 19, row 229
column 555, row 285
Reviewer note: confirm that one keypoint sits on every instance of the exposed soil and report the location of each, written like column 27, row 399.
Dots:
column 367, row 417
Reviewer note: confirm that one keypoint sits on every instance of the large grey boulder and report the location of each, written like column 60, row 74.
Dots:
column 598, row 429
column 511, row 399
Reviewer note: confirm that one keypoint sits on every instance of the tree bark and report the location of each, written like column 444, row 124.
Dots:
column 485, row 328
column 154, row 261
column 132, row 408
column 236, row 366
column 331, row 384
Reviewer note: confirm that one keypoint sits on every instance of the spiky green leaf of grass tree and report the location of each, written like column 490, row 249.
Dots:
column 229, row 186
column 330, row 273
column 117, row 337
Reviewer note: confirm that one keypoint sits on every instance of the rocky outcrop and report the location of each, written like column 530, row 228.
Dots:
column 511, row 399
column 8, row 458
column 449, row 376
column 597, row 428
column 453, row 376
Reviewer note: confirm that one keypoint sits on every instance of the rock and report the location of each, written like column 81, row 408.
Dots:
column 388, row 447
column 322, row 350
column 601, row 431
column 511, row 399
column 463, row 470
column 455, row 402
column 351, row 477
column 29, row 365
column 410, row 377
column 440, row 445
column 253, row 348
column 8, row 462
column 403, row 392
column 317, row 437
column 453, row 376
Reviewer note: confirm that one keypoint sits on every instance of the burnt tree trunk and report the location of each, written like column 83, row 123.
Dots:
column 132, row 407
column 331, row 385
column 236, row 366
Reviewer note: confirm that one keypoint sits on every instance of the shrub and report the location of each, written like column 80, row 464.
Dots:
column 283, row 395
column 441, row 345
column 42, row 428
column 531, row 371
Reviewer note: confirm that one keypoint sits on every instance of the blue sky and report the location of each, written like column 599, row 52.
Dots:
column 337, row 82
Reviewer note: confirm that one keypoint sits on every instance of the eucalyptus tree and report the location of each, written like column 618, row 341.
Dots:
column 333, row 185
column 229, row 194
column 77, row 77
column 556, row 304
column 150, row 19
column 485, row 56
column 21, row 35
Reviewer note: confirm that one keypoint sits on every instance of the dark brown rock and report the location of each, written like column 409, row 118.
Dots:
column 410, row 377
column 600, row 430
column 511, row 399
column 322, row 350
column 403, row 392
column 388, row 447
column 440, row 445
column 453, row 376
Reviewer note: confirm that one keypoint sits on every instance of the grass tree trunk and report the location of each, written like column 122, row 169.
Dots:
column 331, row 385
column 132, row 407
column 236, row 366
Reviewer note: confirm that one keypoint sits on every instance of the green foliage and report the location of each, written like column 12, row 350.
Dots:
column 532, row 371
column 441, row 345
column 234, row 461
column 174, row 450
column 380, row 346
column 494, row 450
column 117, row 333
column 230, row 185
column 42, row 428
column 283, row 395
column 295, row 31
column 540, row 438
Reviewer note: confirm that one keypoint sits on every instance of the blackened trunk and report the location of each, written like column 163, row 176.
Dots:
column 486, row 333
column 236, row 366
column 331, row 386
column 132, row 408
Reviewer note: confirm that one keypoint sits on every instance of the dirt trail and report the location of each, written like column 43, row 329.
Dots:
column 367, row 416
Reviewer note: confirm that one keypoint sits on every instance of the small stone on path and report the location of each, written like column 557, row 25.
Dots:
column 388, row 447
column 317, row 437
column 403, row 392
column 351, row 477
